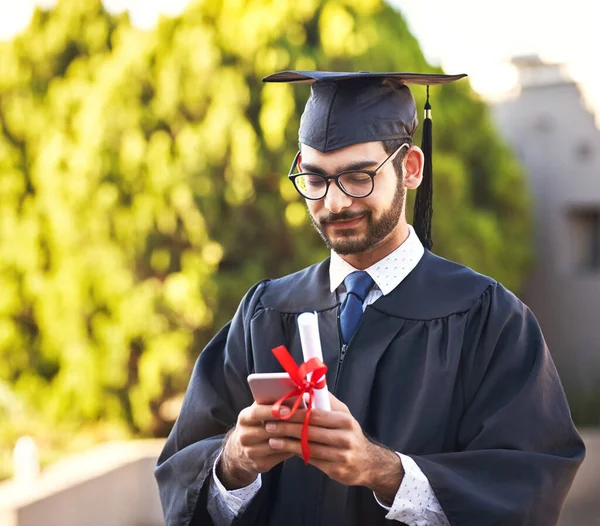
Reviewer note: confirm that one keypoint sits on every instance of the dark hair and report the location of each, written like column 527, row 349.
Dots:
column 391, row 146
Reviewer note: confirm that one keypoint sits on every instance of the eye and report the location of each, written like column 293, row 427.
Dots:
column 356, row 178
column 314, row 181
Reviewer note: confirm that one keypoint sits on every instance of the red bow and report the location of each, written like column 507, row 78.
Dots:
column 299, row 375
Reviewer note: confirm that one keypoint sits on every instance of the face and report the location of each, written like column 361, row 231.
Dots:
column 355, row 225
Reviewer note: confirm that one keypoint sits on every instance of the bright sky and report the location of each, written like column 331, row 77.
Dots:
column 477, row 37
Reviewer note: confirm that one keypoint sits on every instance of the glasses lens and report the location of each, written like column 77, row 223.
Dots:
column 356, row 184
column 312, row 186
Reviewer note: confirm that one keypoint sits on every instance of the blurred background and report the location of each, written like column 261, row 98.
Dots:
column 143, row 190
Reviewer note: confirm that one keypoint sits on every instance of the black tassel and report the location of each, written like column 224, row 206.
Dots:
column 423, row 212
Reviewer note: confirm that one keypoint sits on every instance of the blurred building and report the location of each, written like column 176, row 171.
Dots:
column 558, row 142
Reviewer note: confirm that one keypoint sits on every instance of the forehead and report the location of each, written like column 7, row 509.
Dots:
column 337, row 160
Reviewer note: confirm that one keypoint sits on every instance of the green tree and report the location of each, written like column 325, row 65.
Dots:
column 143, row 188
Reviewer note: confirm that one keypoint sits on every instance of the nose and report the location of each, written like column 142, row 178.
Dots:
column 336, row 200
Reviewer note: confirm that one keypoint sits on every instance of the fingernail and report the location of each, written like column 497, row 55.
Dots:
column 275, row 443
column 271, row 427
column 284, row 411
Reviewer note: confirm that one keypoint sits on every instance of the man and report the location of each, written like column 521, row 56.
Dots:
column 446, row 406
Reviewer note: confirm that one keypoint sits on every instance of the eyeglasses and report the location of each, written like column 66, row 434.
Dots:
column 354, row 183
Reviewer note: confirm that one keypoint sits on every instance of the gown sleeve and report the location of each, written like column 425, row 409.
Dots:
column 216, row 393
column 517, row 449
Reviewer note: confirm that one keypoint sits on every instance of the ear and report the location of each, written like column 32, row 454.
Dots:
column 413, row 167
column 299, row 162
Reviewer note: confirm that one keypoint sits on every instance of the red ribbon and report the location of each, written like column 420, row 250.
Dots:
column 299, row 375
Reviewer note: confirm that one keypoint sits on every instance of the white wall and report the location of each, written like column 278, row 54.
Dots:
column 548, row 125
column 111, row 485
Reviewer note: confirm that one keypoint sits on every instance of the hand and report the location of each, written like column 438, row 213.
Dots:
column 340, row 449
column 246, row 452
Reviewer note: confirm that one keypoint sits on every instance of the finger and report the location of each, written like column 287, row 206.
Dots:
column 321, row 435
column 256, row 414
column 322, row 418
column 260, row 451
column 251, row 435
column 319, row 451
column 297, row 417
column 330, row 419
column 337, row 404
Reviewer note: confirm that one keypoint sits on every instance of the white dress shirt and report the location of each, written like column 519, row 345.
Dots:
column 415, row 502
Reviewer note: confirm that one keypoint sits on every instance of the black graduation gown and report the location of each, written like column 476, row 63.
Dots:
column 449, row 368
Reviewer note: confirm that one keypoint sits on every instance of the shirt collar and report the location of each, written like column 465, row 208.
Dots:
column 388, row 272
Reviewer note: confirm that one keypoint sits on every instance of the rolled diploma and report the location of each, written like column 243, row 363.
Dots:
column 308, row 327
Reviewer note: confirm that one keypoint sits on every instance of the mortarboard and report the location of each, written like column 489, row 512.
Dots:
column 349, row 108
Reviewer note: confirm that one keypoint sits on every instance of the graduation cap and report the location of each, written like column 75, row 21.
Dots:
column 350, row 108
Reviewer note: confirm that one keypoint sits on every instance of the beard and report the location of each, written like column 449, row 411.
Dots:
column 347, row 242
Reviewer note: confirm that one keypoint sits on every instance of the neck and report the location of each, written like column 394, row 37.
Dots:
column 385, row 247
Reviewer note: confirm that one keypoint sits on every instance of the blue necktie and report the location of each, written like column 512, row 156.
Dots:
column 357, row 285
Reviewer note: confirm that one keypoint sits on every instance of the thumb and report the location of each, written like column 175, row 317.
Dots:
column 337, row 405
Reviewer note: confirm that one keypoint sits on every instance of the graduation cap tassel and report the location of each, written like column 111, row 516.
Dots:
column 423, row 211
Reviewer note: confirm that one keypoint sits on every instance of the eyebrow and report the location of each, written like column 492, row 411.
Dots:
column 357, row 165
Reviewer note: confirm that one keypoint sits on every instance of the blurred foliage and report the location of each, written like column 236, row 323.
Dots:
column 143, row 190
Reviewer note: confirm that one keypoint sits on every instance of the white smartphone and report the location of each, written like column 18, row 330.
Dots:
column 267, row 388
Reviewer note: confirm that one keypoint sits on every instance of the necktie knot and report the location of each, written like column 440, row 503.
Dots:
column 359, row 283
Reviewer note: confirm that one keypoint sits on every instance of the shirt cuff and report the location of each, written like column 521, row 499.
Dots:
column 415, row 502
column 235, row 500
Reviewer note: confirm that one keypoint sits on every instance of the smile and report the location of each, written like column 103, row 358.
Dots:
column 348, row 223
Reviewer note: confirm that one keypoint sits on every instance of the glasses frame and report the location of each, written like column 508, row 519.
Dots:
column 328, row 178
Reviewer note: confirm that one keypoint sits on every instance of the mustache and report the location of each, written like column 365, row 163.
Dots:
column 344, row 216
